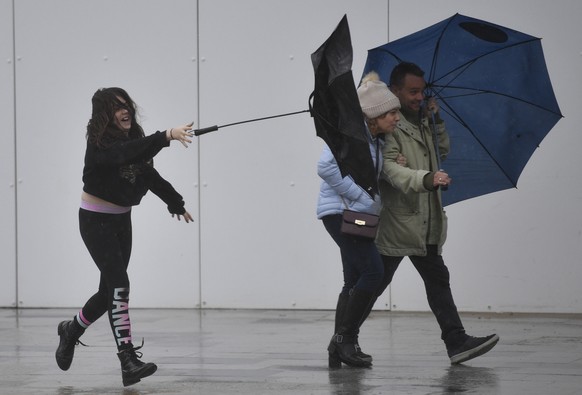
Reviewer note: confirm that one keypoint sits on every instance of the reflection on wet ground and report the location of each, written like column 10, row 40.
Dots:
column 284, row 352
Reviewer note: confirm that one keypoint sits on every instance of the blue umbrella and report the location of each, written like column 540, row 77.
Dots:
column 494, row 92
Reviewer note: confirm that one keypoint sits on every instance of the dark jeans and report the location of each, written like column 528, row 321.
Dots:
column 108, row 237
column 436, row 279
column 361, row 262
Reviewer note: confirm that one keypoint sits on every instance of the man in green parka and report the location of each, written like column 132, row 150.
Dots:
column 412, row 221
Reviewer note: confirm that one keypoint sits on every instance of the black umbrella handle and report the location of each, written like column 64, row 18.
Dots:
column 199, row 132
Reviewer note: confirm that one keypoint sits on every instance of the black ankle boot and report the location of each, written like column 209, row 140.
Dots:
column 343, row 349
column 132, row 369
column 69, row 334
column 361, row 354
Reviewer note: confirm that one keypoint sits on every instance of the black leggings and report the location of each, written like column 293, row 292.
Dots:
column 108, row 239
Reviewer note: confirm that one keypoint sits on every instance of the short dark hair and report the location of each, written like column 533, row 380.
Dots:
column 401, row 69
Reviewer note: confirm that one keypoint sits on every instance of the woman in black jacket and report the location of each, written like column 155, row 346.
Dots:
column 118, row 172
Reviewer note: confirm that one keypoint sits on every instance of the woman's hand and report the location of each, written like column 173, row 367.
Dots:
column 401, row 160
column 187, row 217
column 181, row 133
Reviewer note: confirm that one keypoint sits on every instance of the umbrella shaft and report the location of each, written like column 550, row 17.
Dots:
column 214, row 128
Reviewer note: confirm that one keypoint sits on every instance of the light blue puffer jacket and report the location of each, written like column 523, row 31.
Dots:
column 334, row 186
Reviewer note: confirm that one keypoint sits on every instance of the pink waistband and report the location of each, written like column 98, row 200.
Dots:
column 104, row 209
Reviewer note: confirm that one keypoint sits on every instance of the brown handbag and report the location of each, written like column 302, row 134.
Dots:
column 359, row 224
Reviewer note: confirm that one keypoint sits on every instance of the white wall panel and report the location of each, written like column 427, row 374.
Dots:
column 516, row 250
column 7, row 181
column 262, row 245
column 66, row 51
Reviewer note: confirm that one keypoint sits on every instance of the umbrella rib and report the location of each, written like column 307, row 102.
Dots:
column 479, row 91
column 436, row 48
column 468, row 64
column 390, row 53
column 460, row 120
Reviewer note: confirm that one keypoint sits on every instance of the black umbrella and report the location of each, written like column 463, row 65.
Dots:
column 336, row 110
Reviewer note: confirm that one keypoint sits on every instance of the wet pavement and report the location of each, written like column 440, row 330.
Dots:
column 284, row 352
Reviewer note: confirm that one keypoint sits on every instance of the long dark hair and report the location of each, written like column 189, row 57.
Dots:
column 101, row 129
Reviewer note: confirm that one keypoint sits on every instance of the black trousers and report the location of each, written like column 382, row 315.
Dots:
column 108, row 237
column 436, row 279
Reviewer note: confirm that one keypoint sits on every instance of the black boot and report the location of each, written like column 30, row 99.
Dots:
column 132, row 369
column 342, row 303
column 362, row 354
column 69, row 332
column 343, row 346
column 340, row 309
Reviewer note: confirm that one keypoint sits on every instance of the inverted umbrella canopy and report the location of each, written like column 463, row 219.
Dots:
column 336, row 109
column 494, row 92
